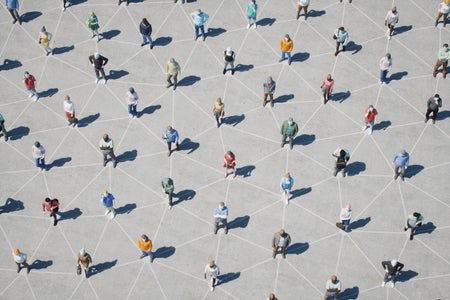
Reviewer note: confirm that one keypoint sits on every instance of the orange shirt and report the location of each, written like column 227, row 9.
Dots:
column 286, row 46
column 145, row 246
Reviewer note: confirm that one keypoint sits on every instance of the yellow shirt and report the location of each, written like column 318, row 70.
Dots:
column 286, row 46
column 44, row 38
column 145, row 246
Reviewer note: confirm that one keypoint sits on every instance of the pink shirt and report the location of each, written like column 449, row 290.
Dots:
column 328, row 83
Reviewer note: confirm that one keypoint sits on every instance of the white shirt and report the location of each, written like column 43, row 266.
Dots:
column 132, row 98
column 68, row 107
column 303, row 2
column 385, row 64
column 391, row 18
column 212, row 272
column 444, row 8
column 346, row 214
column 38, row 152
column 282, row 242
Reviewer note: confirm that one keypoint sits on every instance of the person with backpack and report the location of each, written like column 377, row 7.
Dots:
column 51, row 206
column 229, row 163
column 168, row 187
column 342, row 156
column 229, row 56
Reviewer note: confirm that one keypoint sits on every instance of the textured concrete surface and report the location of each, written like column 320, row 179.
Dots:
column 183, row 237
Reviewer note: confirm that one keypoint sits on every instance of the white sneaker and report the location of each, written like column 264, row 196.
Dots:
column 248, row 26
column 254, row 25
column 104, row 81
column 35, row 98
column 170, row 206
column 370, row 132
column 96, row 80
column 64, row 8
column 364, row 128
column 391, row 285
column 106, row 212
column 389, row 37
column 30, row 95
column 212, row 289
column 383, row 283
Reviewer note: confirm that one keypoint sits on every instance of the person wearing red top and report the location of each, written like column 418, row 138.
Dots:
column 29, row 80
column 369, row 118
column 229, row 164
column 327, row 88
column 52, row 206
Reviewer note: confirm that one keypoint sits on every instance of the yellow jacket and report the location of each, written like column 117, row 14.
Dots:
column 172, row 68
column 145, row 246
column 286, row 46
column 44, row 38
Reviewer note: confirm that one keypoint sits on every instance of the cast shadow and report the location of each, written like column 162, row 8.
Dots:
column 127, row 156
column 164, row 252
column 116, row 74
column 359, row 223
column 188, row 80
column 382, row 125
column 316, row 13
column 184, row 195
column 234, row 120
column 297, row 248
column 304, row 139
column 425, row 228
column 136, row 1
column 355, row 168
column 75, row 2
column 266, row 22
column 126, row 209
column 88, row 120
column 187, row 144
column 245, row 171
column 239, row 222
column 413, row 170
column 224, row 278
column 215, row 31
column 18, row 133
column 352, row 46
column 300, row 56
column 70, row 214
column 397, row 76
column 348, row 294
column 243, row 68
column 341, row 96
column 59, row 162
column 402, row 29
column 148, row 110
column 48, row 93
column 98, row 268
column 406, row 275
column 11, row 205
column 9, row 64
column 300, row 192
column 162, row 41
column 107, row 35
column 283, row 98
column 442, row 115
column 30, row 16
column 41, row 264
column 61, row 50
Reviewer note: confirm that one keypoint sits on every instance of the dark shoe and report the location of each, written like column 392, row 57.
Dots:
column 20, row 22
column 28, row 269
column 232, row 72
column 215, row 231
column 291, row 146
column 271, row 104
column 104, row 163
column 402, row 177
column 15, row 20
column 174, row 87
column 280, row 60
column 151, row 46
column 224, row 71
column 284, row 256
column 169, row 85
column 340, row 226
column 434, row 74
column 426, row 120
column 298, row 16
column 289, row 62
column 411, row 237
column 178, row 147
column 151, row 259
column 395, row 176
column 204, row 38
column 6, row 138
column 18, row 269
column 336, row 53
column 86, row 273
column 226, row 229
column 143, row 44
column 142, row 256
column 115, row 164
column 343, row 48
column 48, row 53
column 55, row 222
column 405, row 228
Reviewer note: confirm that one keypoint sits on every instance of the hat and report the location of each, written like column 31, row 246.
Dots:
column 16, row 251
column 83, row 251
column 131, row 90
column 96, row 55
column 394, row 262
column 105, row 192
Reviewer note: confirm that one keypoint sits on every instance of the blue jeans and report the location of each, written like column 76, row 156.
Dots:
column 40, row 163
column 132, row 109
column 383, row 74
column 201, row 28
column 283, row 55
column 149, row 254
column 147, row 39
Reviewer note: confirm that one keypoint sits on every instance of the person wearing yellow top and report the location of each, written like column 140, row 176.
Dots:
column 172, row 70
column 286, row 46
column 44, row 40
column 145, row 245
column 219, row 111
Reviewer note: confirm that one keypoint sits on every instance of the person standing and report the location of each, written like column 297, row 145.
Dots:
column 145, row 245
column 442, row 12
column 229, row 56
column 252, row 8
column 289, row 129
column 219, row 111
column 51, row 206
column 390, row 20
column 66, row 4
column 21, row 260
column 168, row 187
column 229, row 163
column 220, row 216
column 392, row 268
column 2, row 128
column 341, row 37
column 412, row 222
column 172, row 70
column 92, row 24
column 280, row 240
column 13, row 7
column 98, row 62
column 199, row 18
column 333, row 287
column 401, row 161
column 132, row 98
column 349, row 1
column 433, row 105
column 346, row 215
column 286, row 46
column 29, row 82
column 44, row 40
column 107, row 147
column 70, row 111
column 385, row 67
column 302, row 4
column 342, row 157
column 85, row 260
column 443, row 57
column 108, row 202
column 327, row 88
column 145, row 28
column 269, row 89
column 212, row 271
column 39, row 155
column 182, row 1
column 286, row 184
column 127, row 1
column 369, row 118
column 171, row 136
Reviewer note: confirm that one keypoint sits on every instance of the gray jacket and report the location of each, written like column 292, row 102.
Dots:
column 269, row 89
column 276, row 239
column 431, row 104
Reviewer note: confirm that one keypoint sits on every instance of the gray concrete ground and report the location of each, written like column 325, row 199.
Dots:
column 183, row 237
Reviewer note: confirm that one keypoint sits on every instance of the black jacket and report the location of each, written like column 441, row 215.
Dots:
column 98, row 63
column 390, row 269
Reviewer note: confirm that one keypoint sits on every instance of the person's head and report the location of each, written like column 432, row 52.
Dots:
column 96, row 55
column 282, row 232
column 348, row 206
column 144, row 237
column 254, row 1
column 416, row 214
column 219, row 100
column 83, row 252
column 27, row 75
column 436, row 97
column 287, row 175
column 229, row 153
column 445, row 46
column 172, row 60
column 168, row 128
column 271, row 296
column 131, row 90
column 67, row 98
column 329, row 77
column 37, row 144
column 403, row 152
column 199, row 11
column 47, row 200
column 221, row 204
column 287, row 37
column 269, row 79
column 342, row 153
column 16, row 251
column 212, row 263
column 394, row 262
column 341, row 28
column 388, row 55
column 91, row 13
column 394, row 9
column 105, row 137
column 43, row 29
column 105, row 192
column 371, row 107
column 145, row 22
column 290, row 121
column 333, row 279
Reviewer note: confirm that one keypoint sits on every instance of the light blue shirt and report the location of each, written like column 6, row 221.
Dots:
column 12, row 4
column 199, row 19
column 222, row 212
column 401, row 160
column 342, row 36
column 171, row 136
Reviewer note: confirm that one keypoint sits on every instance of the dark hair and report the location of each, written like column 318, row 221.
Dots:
column 144, row 20
column 342, row 153
column 416, row 214
column 47, row 199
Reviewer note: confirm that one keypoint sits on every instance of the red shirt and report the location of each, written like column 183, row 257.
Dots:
column 50, row 206
column 229, row 161
column 29, row 82
column 370, row 115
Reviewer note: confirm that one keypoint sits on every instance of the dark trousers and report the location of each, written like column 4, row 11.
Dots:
column 402, row 171
column 3, row 129
column 434, row 111
column 216, row 225
column 169, row 195
column 169, row 146
column 175, row 79
column 291, row 141
column 338, row 45
column 53, row 214
column 102, row 71
column 15, row 14
column 217, row 116
column 270, row 98
column 111, row 154
column 199, row 28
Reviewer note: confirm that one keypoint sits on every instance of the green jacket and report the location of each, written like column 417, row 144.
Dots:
column 285, row 126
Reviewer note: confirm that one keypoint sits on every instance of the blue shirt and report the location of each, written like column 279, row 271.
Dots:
column 199, row 19
column 12, row 4
column 223, row 212
column 108, row 200
column 171, row 136
column 401, row 160
column 287, row 183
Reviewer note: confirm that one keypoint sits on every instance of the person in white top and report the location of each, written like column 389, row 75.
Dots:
column 385, row 67
column 38, row 153
column 302, row 4
column 444, row 8
column 132, row 101
column 390, row 21
column 341, row 37
column 70, row 111
column 346, row 215
column 212, row 271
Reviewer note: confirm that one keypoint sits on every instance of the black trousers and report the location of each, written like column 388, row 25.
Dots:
column 434, row 111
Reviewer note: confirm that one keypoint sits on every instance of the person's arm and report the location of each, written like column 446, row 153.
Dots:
column 177, row 137
column 288, row 240
column 105, row 61
column 399, row 267
column 274, row 241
